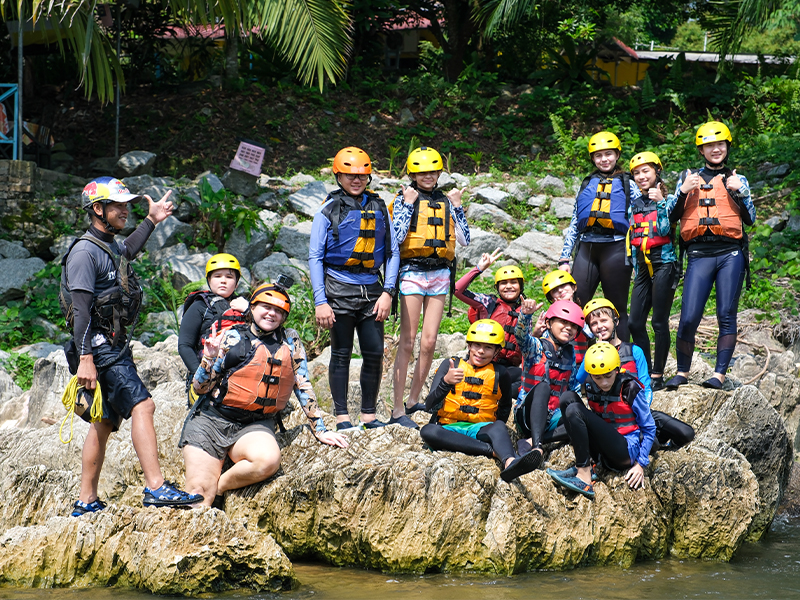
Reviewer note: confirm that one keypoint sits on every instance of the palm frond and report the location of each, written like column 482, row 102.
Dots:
column 496, row 14
column 311, row 34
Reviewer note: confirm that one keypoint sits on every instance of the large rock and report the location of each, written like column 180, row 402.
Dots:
column 138, row 183
column 446, row 182
column 240, row 183
column 137, row 162
column 13, row 250
column 14, row 274
column 301, row 179
column 561, row 207
column 480, row 242
column 553, row 183
column 295, row 240
column 308, row 200
column 277, row 264
column 496, row 216
column 188, row 268
column 519, row 189
column 537, row 248
column 249, row 252
column 168, row 233
column 493, row 196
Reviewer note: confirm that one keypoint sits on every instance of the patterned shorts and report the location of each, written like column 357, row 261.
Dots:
column 425, row 283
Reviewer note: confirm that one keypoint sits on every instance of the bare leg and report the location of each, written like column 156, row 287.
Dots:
column 202, row 473
column 410, row 311
column 92, row 457
column 257, row 457
column 143, row 434
column 433, row 308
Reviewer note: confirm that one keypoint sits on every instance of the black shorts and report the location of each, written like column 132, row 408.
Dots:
column 120, row 383
column 351, row 299
column 215, row 435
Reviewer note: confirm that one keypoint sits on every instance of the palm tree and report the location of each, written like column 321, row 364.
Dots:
column 313, row 35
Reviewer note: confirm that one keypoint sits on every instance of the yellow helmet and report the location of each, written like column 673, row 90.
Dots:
column 554, row 279
column 605, row 140
column 713, row 131
column 593, row 305
column 601, row 358
column 423, row 159
column 223, row 261
column 486, row 331
column 646, row 157
column 506, row 273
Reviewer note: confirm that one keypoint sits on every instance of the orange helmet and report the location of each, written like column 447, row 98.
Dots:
column 269, row 293
column 352, row 160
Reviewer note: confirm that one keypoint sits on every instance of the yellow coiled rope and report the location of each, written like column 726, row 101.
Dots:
column 70, row 397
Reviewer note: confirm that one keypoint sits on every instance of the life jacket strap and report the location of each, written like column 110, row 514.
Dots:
column 474, row 380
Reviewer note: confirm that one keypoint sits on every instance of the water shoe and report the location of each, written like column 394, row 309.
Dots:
column 375, row 424
column 419, row 406
column 521, row 465
column 81, row 508
column 571, row 472
column 713, row 383
column 405, row 421
column 574, row 484
column 169, row 495
column 346, row 426
column 676, row 382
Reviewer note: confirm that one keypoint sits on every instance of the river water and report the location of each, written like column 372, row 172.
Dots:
column 769, row 569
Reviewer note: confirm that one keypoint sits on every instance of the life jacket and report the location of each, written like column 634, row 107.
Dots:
column 602, row 204
column 579, row 346
column 507, row 315
column 614, row 406
column 352, row 240
column 218, row 311
column 475, row 398
column 116, row 308
column 262, row 383
column 626, row 360
column 711, row 213
column 554, row 368
column 431, row 238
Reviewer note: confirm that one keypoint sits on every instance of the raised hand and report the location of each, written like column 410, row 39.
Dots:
column 453, row 375
column 734, row 183
column 529, row 306
column 410, row 195
column 158, row 211
column 212, row 343
column 655, row 193
column 692, row 182
column 454, row 196
column 487, row 260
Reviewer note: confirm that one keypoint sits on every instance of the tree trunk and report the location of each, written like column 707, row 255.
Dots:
column 232, row 57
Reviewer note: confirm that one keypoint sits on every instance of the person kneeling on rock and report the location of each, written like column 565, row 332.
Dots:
column 246, row 376
column 617, row 425
column 471, row 401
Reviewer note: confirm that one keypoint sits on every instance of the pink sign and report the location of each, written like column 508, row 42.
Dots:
column 248, row 159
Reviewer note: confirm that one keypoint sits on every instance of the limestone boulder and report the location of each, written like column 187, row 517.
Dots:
column 277, row 264
column 14, row 274
column 168, row 233
column 561, row 207
column 446, row 182
column 549, row 182
column 536, row 247
column 494, row 196
column 188, row 268
column 249, row 251
column 294, row 240
column 496, row 216
column 137, row 162
column 241, row 183
column 308, row 200
column 480, row 241
column 13, row 250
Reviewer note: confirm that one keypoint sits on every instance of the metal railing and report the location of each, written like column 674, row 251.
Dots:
column 11, row 90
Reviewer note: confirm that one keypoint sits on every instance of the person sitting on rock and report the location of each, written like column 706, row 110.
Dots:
column 101, row 297
column 245, row 378
column 617, row 426
column 503, row 308
column 471, row 402
column 427, row 224
column 352, row 238
column 713, row 206
column 560, row 285
column 602, row 318
column 219, row 304
column 548, row 371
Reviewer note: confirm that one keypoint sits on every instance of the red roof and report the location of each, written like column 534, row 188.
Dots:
column 628, row 50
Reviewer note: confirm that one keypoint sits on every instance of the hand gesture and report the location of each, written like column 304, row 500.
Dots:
column 212, row 343
column 541, row 325
column 410, row 195
column 454, row 196
column 332, row 439
column 692, row 182
column 635, row 476
column 530, row 306
column 453, row 375
column 160, row 210
column 240, row 304
column 655, row 193
column 325, row 316
column 487, row 260
column 734, row 183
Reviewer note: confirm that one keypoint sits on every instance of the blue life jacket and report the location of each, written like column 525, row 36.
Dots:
column 359, row 239
column 603, row 204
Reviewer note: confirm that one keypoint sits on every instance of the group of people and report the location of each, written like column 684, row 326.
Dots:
column 365, row 258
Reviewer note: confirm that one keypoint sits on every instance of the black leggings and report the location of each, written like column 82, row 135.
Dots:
column 671, row 430
column 492, row 439
column 604, row 263
column 701, row 274
column 591, row 436
column 515, row 373
column 532, row 417
column 656, row 292
column 370, row 338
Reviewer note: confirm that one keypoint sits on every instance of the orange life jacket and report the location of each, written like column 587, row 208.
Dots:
column 710, row 211
column 262, row 383
column 475, row 398
column 431, row 237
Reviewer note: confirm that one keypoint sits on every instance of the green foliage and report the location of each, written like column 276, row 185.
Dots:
column 220, row 214
column 689, row 37
column 570, row 66
column 20, row 366
column 159, row 292
column 21, row 321
column 303, row 319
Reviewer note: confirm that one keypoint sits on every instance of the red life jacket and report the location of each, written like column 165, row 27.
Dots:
column 614, row 406
column 643, row 228
column 507, row 315
column 579, row 346
column 218, row 311
column 554, row 368
column 626, row 361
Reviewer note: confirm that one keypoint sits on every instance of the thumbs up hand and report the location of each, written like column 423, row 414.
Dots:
column 410, row 195
column 734, row 183
column 453, row 375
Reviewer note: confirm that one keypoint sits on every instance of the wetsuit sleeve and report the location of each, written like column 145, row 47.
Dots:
column 479, row 301
column 462, row 227
column 642, row 372
column 574, row 384
column 82, row 273
column 392, row 265
column 134, row 243
column 439, row 388
column 189, row 336
column 580, row 378
column 504, row 405
column 316, row 254
column 82, row 321
column 210, row 370
column 679, row 205
column 635, row 192
column 529, row 346
column 302, row 387
column 743, row 199
column 401, row 217
column 647, row 427
column 664, row 208
column 570, row 236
